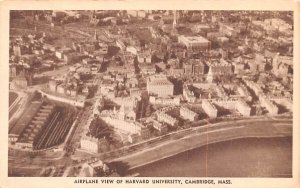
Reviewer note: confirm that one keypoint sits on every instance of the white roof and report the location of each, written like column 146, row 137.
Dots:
column 195, row 39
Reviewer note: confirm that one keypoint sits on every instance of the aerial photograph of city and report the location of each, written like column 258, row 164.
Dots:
column 150, row 93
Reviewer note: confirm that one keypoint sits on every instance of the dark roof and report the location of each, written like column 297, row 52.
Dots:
column 25, row 118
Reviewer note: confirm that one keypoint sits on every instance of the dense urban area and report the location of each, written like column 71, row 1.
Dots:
column 90, row 88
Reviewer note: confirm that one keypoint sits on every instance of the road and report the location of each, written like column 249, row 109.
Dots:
column 185, row 140
column 206, row 135
column 57, row 72
column 18, row 107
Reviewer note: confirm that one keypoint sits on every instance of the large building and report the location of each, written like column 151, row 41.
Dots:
column 221, row 67
column 265, row 102
column 188, row 114
column 188, row 68
column 160, row 85
column 199, row 67
column 228, row 30
column 165, row 118
column 146, row 69
column 255, row 87
column 194, row 67
column 144, row 57
column 282, row 65
column 268, row 104
column 276, row 24
column 126, row 126
column 161, row 127
column 188, row 94
column 234, row 104
column 19, row 81
column 194, row 42
column 243, row 92
column 16, row 131
column 209, row 108
column 164, row 100
column 29, row 126
column 243, row 108
column 91, row 144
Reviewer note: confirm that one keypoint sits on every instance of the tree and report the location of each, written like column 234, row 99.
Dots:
column 148, row 110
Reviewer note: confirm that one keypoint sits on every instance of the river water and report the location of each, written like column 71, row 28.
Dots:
column 248, row 157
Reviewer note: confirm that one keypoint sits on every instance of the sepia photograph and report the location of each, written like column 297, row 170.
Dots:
column 151, row 93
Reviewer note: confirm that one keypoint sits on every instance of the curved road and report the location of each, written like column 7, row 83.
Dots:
column 185, row 140
column 205, row 135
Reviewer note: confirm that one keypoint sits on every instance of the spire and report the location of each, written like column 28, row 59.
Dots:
column 246, row 41
column 210, row 76
column 95, row 35
column 122, row 108
column 122, row 113
column 174, row 19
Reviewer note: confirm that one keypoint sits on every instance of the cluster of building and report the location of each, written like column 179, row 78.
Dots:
column 209, row 79
column 263, row 99
column 164, row 115
column 213, row 62
column 91, row 144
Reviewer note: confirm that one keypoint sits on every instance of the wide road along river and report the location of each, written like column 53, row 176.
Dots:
column 245, row 146
column 248, row 157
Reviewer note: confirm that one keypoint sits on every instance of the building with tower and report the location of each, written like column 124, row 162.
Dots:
column 210, row 76
column 175, row 19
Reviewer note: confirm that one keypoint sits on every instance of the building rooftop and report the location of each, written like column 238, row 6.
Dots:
column 158, row 80
column 25, row 118
column 195, row 39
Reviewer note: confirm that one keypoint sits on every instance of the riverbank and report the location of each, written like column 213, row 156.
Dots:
column 246, row 157
column 202, row 137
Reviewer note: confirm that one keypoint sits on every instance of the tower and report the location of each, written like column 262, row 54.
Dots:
column 95, row 35
column 210, row 76
column 122, row 114
column 174, row 19
column 246, row 41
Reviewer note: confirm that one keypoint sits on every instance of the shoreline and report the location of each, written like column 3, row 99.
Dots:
column 225, row 133
column 203, row 145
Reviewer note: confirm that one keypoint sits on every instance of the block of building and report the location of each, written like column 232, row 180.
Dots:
column 90, row 144
column 188, row 114
column 221, row 67
column 188, row 94
column 165, row 118
column 268, row 104
column 243, row 107
column 194, row 42
column 159, row 85
column 159, row 126
column 209, row 108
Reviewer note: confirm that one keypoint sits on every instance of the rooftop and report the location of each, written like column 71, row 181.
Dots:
column 25, row 118
column 159, row 80
column 194, row 39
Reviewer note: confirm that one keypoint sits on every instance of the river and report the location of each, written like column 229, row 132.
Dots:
column 247, row 157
